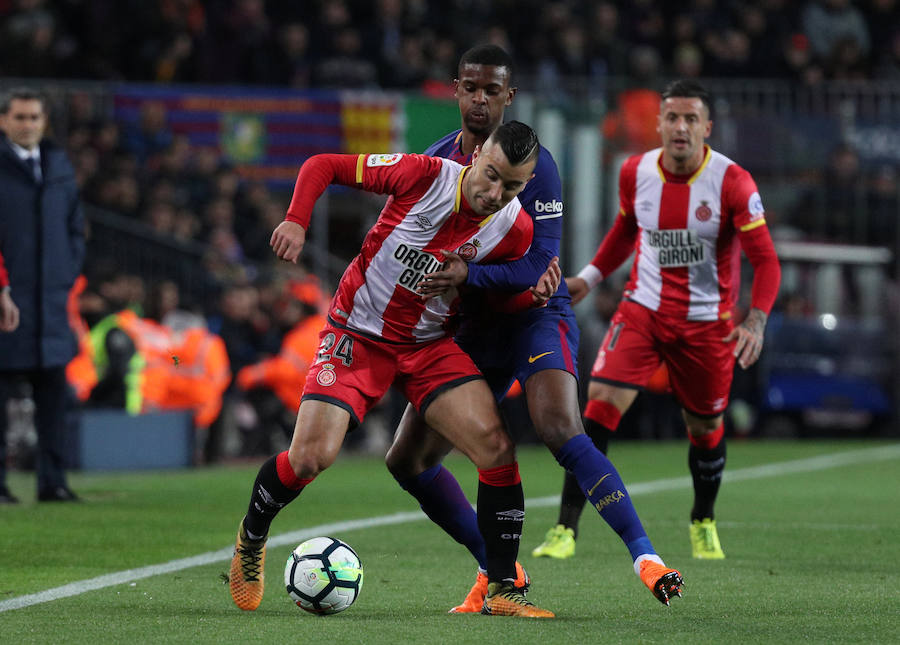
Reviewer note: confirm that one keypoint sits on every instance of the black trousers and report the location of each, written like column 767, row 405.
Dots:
column 49, row 391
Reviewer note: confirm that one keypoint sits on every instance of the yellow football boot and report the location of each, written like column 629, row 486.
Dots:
column 705, row 540
column 559, row 543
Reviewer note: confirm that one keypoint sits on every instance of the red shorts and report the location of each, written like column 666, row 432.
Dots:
column 354, row 372
column 700, row 365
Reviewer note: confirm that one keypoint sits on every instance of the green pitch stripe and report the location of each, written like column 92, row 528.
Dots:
column 824, row 462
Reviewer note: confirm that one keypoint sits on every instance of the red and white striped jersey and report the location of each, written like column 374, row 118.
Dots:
column 426, row 213
column 687, row 261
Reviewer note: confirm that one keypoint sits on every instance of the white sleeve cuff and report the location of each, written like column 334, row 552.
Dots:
column 591, row 275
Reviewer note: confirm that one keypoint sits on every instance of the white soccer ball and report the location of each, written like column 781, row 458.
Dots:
column 323, row 575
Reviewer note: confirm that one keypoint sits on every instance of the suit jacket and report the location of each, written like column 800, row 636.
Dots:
column 42, row 242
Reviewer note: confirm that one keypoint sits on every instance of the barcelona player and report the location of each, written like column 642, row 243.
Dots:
column 536, row 347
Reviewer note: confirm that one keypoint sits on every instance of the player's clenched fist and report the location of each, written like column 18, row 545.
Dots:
column 287, row 241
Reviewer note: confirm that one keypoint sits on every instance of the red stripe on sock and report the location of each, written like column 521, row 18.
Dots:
column 604, row 413
column 709, row 440
column 501, row 475
column 286, row 473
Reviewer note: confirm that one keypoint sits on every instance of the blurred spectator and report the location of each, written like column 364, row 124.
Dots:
column 31, row 42
column 835, row 210
column 888, row 64
column 883, row 210
column 834, row 29
column 273, row 386
column 150, row 135
column 346, row 66
column 292, row 62
column 606, row 42
column 631, row 127
column 882, row 19
column 244, row 328
column 145, row 366
column 687, row 61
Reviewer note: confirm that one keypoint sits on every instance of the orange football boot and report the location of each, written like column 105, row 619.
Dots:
column 246, row 578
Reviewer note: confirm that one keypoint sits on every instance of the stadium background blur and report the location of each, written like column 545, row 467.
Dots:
column 186, row 121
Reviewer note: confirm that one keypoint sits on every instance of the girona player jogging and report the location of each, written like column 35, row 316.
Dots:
column 426, row 213
column 687, row 233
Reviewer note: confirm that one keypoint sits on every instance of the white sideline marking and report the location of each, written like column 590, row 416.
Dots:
column 882, row 453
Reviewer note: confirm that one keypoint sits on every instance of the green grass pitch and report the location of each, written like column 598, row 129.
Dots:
column 811, row 544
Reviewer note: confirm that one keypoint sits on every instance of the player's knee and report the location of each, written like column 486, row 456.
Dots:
column 555, row 431
column 496, row 448
column 698, row 427
column 401, row 464
column 307, row 464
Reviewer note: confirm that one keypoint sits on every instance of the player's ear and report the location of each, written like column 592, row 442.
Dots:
column 511, row 94
column 708, row 129
column 455, row 86
column 475, row 154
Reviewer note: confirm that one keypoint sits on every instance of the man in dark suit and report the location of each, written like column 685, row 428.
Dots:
column 42, row 242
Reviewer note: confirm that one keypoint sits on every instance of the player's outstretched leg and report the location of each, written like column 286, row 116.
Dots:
column 600, row 420
column 606, row 492
column 663, row 582
column 275, row 487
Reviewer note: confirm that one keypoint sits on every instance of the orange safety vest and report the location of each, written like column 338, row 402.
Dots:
column 81, row 373
column 200, row 375
column 285, row 374
column 186, row 370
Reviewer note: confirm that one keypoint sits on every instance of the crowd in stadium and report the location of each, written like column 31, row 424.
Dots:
column 408, row 43
column 185, row 193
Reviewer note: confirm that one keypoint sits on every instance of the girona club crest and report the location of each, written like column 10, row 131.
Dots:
column 703, row 212
column 326, row 375
column 467, row 252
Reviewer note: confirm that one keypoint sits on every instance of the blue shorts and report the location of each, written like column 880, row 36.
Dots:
column 520, row 345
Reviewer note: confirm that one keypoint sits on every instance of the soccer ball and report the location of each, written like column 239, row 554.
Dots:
column 323, row 575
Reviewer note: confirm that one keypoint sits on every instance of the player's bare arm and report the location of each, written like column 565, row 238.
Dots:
column 578, row 288
column 287, row 241
column 749, row 338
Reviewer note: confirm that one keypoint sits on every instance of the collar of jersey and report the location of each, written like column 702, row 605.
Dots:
column 684, row 179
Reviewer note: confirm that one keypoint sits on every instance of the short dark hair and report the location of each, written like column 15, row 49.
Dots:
column 21, row 94
column 487, row 54
column 518, row 141
column 686, row 88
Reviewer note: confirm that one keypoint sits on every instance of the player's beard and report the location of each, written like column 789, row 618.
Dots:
column 480, row 127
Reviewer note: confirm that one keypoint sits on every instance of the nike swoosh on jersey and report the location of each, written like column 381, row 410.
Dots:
column 532, row 359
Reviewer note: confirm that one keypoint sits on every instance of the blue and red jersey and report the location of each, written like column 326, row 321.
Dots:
column 507, row 348
column 542, row 200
